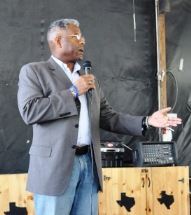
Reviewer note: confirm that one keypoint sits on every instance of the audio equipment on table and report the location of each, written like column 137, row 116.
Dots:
column 151, row 153
column 112, row 153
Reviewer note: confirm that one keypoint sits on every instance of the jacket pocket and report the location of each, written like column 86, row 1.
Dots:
column 40, row 151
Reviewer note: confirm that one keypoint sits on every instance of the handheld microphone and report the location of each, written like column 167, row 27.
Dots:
column 87, row 67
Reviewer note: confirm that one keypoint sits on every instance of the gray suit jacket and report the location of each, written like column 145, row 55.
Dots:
column 46, row 103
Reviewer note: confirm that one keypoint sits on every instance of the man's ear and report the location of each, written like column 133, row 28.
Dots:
column 58, row 41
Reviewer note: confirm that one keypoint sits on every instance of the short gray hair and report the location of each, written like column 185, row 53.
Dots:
column 61, row 24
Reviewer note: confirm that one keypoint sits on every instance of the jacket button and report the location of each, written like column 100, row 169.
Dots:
column 76, row 126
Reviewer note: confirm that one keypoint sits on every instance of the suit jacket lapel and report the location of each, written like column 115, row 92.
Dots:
column 59, row 73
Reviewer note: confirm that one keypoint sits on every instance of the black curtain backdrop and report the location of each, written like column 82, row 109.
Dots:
column 123, row 59
column 178, row 46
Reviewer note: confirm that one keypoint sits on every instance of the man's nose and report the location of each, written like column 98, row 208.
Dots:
column 82, row 40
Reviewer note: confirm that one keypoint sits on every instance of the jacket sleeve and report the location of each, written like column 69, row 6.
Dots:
column 37, row 107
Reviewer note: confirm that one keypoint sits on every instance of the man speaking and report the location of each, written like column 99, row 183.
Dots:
column 65, row 159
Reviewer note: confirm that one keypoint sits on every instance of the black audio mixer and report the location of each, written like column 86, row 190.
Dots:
column 155, row 154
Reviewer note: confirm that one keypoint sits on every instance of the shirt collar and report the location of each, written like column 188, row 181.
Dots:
column 77, row 66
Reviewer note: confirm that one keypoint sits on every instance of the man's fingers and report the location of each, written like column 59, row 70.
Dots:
column 165, row 110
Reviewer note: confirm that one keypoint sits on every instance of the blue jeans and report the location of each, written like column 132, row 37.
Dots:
column 80, row 197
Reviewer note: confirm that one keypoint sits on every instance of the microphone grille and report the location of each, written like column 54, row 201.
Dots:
column 87, row 64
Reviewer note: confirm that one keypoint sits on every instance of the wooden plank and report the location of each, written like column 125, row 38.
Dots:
column 170, row 183
column 162, row 48
column 142, row 184
column 4, row 194
column 12, row 189
column 122, row 183
column 149, row 191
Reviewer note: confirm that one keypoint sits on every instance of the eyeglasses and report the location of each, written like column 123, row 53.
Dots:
column 77, row 36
